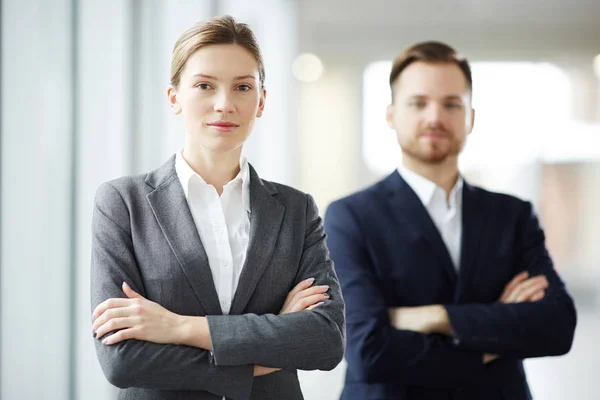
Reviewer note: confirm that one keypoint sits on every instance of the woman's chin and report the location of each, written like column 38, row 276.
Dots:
column 217, row 143
column 225, row 146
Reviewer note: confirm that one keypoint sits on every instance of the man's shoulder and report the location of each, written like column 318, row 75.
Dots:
column 363, row 199
column 494, row 195
column 499, row 202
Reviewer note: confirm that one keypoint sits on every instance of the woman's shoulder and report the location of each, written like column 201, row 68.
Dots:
column 133, row 187
column 289, row 193
column 124, row 189
column 285, row 189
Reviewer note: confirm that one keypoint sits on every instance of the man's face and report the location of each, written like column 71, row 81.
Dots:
column 431, row 112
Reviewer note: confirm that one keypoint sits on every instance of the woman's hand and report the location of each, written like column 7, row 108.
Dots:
column 135, row 318
column 261, row 371
column 304, row 297
column 301, row 297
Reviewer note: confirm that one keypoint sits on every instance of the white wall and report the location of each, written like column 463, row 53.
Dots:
column 36, row 200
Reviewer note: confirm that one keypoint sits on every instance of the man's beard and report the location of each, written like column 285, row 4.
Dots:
column 434, row 157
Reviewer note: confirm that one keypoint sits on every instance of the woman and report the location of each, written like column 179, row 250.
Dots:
column 207, row 281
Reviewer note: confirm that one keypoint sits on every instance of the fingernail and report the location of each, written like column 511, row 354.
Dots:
column 104, row 341
column 326, row 295
column 326, row 287
column 310, row 280
column 94, row 335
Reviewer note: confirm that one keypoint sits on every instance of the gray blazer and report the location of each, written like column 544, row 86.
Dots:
column 143, row 233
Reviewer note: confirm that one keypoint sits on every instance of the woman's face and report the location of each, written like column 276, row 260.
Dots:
column 220, row 96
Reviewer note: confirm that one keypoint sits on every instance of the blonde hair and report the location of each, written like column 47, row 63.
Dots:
column 217, row 30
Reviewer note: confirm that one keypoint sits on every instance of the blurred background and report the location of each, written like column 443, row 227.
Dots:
column 83, row 101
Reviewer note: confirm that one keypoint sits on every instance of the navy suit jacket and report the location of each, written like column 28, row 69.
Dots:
column 388, row 253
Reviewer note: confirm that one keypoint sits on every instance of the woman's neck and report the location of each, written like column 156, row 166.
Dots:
column 217, row 169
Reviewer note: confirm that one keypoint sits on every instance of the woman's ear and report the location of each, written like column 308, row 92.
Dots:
column 173, row 103
column 261, row 103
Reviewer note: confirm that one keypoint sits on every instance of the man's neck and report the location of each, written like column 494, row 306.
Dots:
column 444, row 174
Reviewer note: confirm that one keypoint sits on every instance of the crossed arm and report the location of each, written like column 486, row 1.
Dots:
column 136, row 317
column 144, row 345
column 416, row 346
column 434, row 319
column 534, row 317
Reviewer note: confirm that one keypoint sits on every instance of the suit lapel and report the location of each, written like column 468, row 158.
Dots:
column 175, row 220
column 473, row 221
column 410, row 211
column 266, row 216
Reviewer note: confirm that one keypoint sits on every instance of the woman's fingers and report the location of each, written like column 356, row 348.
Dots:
column 129, row 333
column 114, row 324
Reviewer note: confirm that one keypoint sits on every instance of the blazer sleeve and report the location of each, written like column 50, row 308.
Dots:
column 135, row 363
column 306, row 340
column 521, row 330
column 376, row 351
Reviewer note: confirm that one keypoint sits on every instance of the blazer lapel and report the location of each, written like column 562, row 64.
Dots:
column 266, row 216
column 175, row 219
column 410, row 211
column 473, row 221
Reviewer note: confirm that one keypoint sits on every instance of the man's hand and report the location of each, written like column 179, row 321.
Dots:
column 304, row 297
column 135, row 318
column 434, row 318
column 521, row 289
column 488, row 358
column 424, row 319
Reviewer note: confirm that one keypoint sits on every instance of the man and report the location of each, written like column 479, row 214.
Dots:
column 448, row 287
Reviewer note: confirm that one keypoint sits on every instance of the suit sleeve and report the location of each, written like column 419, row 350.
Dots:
column 135, row 363
column 305, row 340
column 376, row 351
column 521, row 330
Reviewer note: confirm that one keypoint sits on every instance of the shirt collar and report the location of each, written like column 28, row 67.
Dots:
column 245, row 176
column 185, row 173
column 425, row 189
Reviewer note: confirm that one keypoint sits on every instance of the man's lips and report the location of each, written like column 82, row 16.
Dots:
column 435, row 135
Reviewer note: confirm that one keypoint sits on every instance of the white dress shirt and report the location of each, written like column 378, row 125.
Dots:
column 445, row 211
column 223, row 223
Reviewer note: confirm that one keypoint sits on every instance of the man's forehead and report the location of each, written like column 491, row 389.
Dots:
column 428, row 77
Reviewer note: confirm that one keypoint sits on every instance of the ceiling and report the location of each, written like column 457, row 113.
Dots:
column 372, row 29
